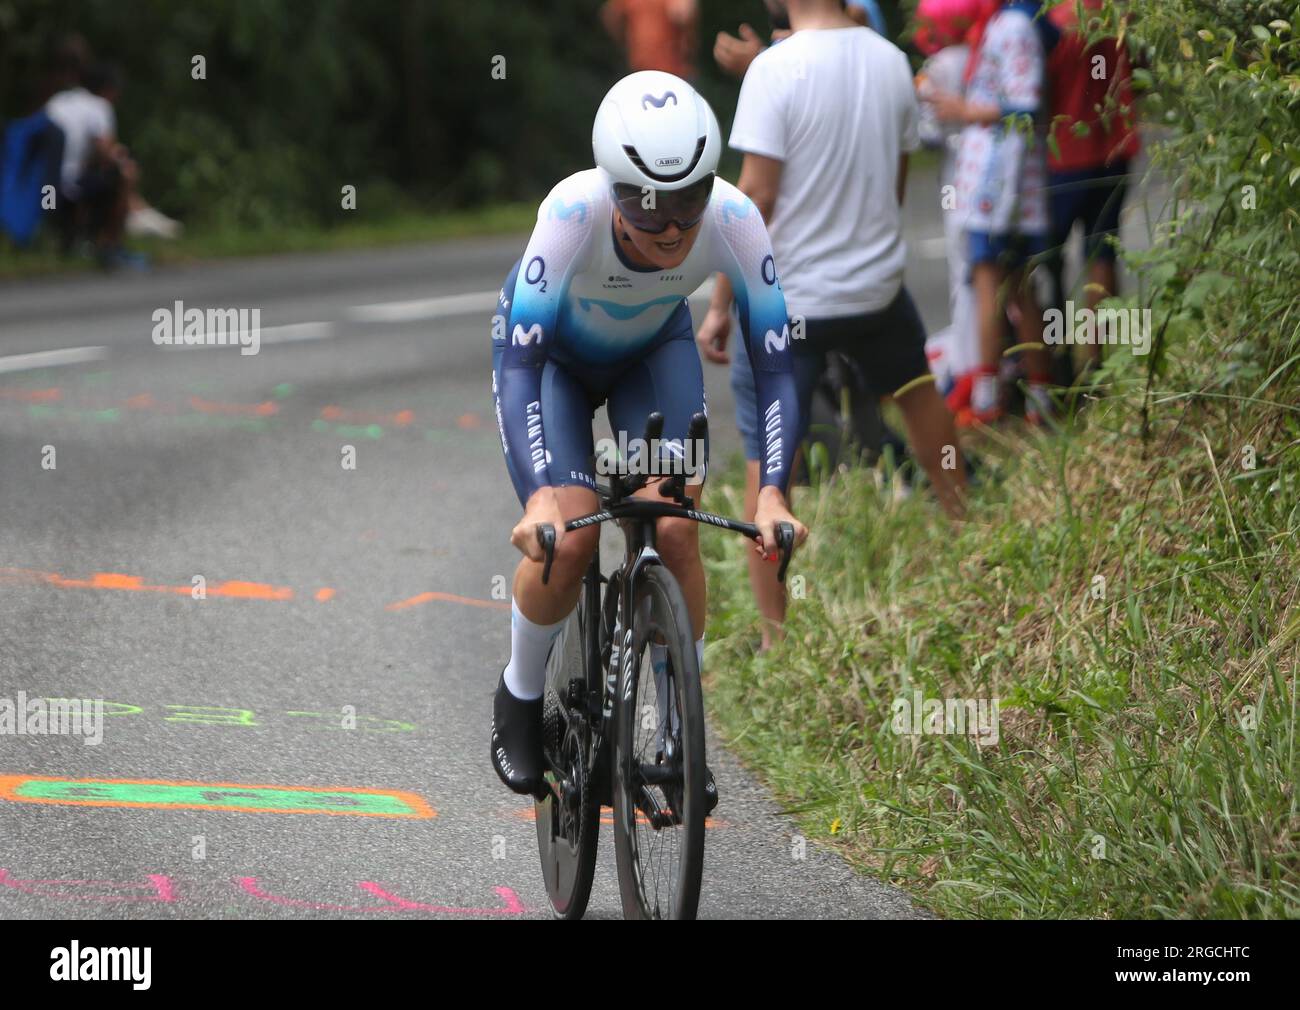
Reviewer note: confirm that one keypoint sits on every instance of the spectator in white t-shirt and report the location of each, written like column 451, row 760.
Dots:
column 98, row 174
column 826, row 120
column 99, row 180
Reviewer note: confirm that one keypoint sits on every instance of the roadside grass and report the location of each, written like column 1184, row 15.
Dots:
column 216, row 241
column 1137, row 615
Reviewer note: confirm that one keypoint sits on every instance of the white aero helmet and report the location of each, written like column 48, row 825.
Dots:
column 653, row 129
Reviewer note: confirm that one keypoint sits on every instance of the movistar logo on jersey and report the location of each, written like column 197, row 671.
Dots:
column 564, row 211
column 522, row 337
column 658, row 103
column 774, row 342
column 738, row 209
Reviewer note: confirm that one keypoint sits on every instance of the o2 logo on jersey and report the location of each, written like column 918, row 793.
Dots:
column 522, row 337
column 768, row 269
column 774, row 343
column 535, row 273
column 658, row 103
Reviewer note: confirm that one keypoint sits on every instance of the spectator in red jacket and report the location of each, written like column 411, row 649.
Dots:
column 1091, row 90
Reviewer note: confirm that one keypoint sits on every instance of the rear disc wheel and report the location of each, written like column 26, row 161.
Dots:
column 568, row 819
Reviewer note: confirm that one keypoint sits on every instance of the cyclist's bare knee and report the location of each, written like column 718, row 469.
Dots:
column 678, row 541
column 574, row 554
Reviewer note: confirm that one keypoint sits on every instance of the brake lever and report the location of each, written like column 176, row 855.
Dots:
column 785, row 544
column 546, row 537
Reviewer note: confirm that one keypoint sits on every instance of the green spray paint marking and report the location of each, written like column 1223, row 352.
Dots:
column 283, row 389
column 102, row 416
column 246, row 798
column 349, row 430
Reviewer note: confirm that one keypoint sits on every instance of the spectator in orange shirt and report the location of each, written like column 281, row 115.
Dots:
column 1091, row 90
column 656, row 34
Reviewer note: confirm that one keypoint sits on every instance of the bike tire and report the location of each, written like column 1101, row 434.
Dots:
column 658, row 609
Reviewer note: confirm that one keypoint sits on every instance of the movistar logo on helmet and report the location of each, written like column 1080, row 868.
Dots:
column 658, row 103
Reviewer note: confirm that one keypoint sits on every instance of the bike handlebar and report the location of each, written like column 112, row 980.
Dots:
column 641, row 508
column 619, row 504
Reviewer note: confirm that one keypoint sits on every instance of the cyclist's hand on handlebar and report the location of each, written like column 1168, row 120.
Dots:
column 542, row 507
column 772, row 510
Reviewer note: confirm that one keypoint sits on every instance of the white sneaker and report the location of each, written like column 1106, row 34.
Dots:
column 150, row 221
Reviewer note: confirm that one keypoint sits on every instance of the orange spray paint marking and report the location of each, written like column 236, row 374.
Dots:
column 335, row 413
column 31, row 395
column 142, row 401
column 135, row 584
column 415, row 601
column 263, row 409
column 324, row 595
column 251, row 591
column 469, row 422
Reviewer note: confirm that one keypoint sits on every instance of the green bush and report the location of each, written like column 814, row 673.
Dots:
column 1126, row 587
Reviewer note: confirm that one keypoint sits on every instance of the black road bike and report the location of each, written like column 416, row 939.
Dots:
column 623, row 721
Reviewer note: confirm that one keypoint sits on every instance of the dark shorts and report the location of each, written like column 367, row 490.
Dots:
column 666, row 378
column 1092, row 197
column 1010, row 250
column 888, row 346
column 100, row 182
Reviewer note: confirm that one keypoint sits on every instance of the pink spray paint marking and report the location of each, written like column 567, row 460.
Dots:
column 395, row 903
column 159, row 884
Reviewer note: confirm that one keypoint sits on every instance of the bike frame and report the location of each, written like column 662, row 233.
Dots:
column 637, row 517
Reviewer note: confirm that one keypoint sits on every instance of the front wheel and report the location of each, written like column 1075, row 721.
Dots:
column 659, row 800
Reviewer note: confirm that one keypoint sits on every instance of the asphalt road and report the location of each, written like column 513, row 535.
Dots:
column 329, row 592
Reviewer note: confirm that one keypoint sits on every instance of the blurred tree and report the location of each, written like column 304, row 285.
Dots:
column 301, row 97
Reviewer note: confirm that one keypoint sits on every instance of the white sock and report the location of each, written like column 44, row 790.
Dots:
column 529, row 645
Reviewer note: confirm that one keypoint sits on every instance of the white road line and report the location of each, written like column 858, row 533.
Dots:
column 49, row 359
column 296, row 331
column 467, row 304
column 470, row 303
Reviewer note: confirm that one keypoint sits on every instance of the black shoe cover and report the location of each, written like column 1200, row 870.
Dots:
column 710, row 792
column 517, row 742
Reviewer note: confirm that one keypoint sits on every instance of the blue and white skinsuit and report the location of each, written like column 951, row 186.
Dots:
column 577, row 325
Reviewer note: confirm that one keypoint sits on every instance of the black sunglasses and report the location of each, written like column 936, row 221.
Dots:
column 682, row 207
